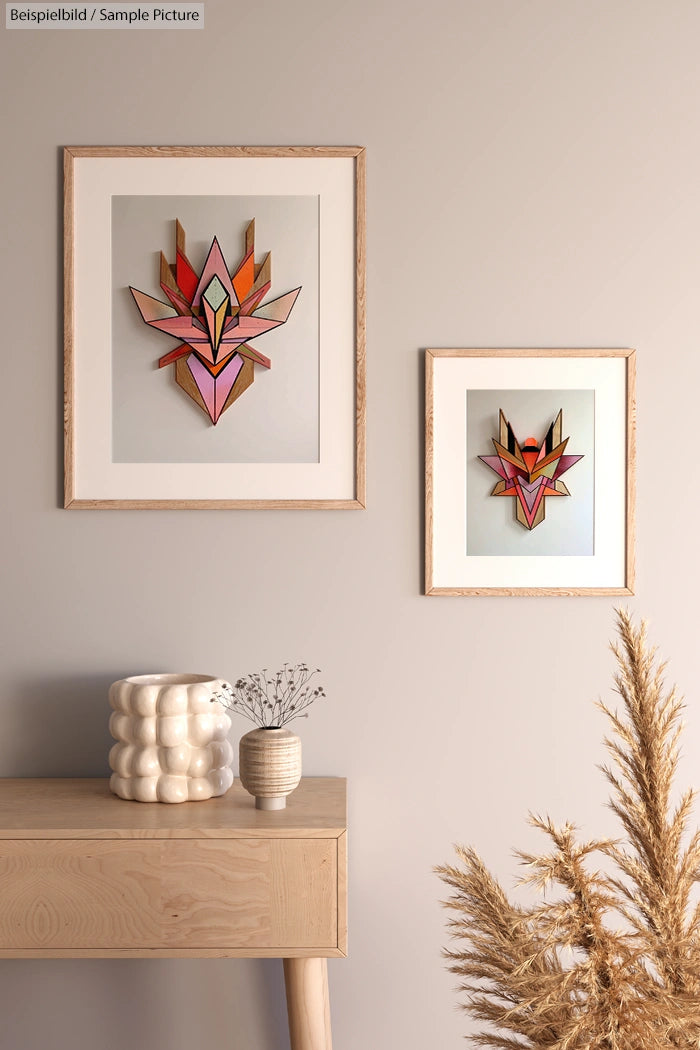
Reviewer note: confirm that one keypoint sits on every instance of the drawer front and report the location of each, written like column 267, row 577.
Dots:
column 169, row 894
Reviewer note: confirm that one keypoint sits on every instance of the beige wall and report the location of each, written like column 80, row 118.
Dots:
column 534, row 180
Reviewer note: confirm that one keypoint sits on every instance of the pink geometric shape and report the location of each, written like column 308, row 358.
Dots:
column 187, row 328
column 496, row 463
column 205, row 383
column 241, row 328
column 215, row 389
column 249, row 304
column 215, row 264
column 278, row 309
column 564, row 464
column 151, row 309
column 530, row 493
column 510, row 468
column 529, row 504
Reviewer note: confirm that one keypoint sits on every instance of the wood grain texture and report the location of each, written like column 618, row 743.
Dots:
column 360, row 329
column 168, row 953
column 255, row 893
column 429, row 454
column 214, row 151
column 85, row 808
column 68, row 370
column 630, row 555
column 213, row 504
column 630, row 480
column 308, row 1004
column 342, row 906
column 85, row 874
column 358, row 500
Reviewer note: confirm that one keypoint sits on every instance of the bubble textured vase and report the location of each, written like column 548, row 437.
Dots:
column 171, row 739
column 269, row 765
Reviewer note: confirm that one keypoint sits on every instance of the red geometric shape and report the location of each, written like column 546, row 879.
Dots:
column 185, row 276
column 179, row 351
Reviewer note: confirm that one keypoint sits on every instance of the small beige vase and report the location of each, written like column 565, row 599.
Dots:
column 269, row 765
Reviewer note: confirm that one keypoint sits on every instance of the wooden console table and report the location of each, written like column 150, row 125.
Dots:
column 84, row 874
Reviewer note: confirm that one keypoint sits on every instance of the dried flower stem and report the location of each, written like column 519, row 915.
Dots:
column 274, row 701
column 561, row 975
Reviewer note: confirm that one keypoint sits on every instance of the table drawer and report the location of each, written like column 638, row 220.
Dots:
column 179, row 894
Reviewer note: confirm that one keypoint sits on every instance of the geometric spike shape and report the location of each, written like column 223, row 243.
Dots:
column 263, row 281
column 240, row 328
column 507, row 457
column 214, row 389
column 496, row 463
column 151, row 309
column 250, row 237
column 546, row 471
column 547, row 444
column 185, row 380
column 244, row 277
column 565, row 463
column 204, row 381
column 215, row 264
column 188, row 329
column 255, row 297
column 171, row 289
column 173, row 355
column 554, row 455
column 178, row 302
column 502, row 429
column 529, row 502
column 254, row 355
column 278, row 309
column 215, row 302
column 184, row 271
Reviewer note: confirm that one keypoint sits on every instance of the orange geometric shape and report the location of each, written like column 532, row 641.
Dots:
column 244, row 278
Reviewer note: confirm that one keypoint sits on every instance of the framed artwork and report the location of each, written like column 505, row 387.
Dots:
column 214, row 327
column 529, row 481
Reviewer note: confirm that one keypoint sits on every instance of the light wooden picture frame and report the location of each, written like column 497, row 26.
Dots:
column 133, row 437
column 581, row 545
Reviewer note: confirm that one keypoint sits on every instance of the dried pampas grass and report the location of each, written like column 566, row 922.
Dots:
column 611, row 961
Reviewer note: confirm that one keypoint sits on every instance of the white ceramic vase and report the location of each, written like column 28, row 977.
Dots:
column 171, row 739
column 269, row 765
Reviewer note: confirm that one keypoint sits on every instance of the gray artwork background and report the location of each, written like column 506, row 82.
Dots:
column 568, row 527
column 276, row 420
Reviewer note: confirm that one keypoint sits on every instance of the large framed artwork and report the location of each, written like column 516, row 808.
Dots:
column 529, row 482
column 214, row 327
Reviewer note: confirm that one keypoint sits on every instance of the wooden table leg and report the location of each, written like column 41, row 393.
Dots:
column 308, row 1005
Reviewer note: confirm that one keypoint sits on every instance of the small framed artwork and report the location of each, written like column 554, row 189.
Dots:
column 214, row 327
column 529, row 482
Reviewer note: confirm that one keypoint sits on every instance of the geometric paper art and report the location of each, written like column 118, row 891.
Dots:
column 532, row 471
column 215, row 314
